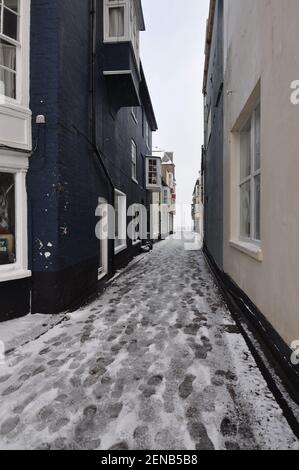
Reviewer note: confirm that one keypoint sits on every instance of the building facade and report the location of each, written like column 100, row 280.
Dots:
column 167, row 200
column 258, row 163
column 92, row 124
column 213, row 136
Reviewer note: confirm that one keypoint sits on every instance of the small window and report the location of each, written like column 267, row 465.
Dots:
column 9, row 44
column 120, row 209
column 153, row 173
column 134, row 161
column 7, row 219
column 165, row 196
column 250, row 178
column 116, row 22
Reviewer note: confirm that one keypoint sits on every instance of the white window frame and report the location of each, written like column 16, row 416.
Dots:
column 122, row 221
column 108, row 5
column 17, row 165
column 103, row 212
column 131, row 29
column 154, row 187
column 22, row 57
column 250, row 179
column 134, row 161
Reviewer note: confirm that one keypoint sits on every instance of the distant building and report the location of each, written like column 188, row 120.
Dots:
column 168, row 193
column 197, row 206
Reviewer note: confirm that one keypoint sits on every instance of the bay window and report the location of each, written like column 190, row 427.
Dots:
column 9, row 47
column 250, row 178
column 116, row 20
column 153, row 174
column 123, row 19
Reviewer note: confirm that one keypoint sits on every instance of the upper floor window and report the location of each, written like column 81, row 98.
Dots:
column 165, row 196
column 153, row 173
column 9, row 46
column 122, row 23
column 250, row 177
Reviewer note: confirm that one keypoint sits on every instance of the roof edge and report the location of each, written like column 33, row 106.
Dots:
column 209, row 34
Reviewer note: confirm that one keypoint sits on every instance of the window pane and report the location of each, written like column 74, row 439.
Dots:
column 257, row 208
column 116, row 22
column 245, row 166
column 153, row 172
column 12, row 4
column 245, row 210
column 10, row 24
column 257, row 138
column 7, row 219
column 7, row 55
column 7, row 83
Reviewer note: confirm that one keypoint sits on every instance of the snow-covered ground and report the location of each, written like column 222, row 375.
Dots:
column 157, row 362
column 16, row 333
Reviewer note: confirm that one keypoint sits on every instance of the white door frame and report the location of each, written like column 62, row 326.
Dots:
column 103, row 213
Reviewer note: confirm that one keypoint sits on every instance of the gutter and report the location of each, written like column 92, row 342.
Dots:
column 209, row 35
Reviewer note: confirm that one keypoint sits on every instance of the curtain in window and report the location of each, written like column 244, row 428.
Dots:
column 116, row 22
column 7, row 77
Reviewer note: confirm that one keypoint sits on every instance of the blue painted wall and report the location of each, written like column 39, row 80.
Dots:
column 65, row 181
column 213, row 155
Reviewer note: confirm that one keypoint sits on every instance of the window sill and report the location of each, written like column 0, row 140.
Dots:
column 14, row 275
column 119, row 249
column 101, row 275
column 14, row 105
column 249, row 249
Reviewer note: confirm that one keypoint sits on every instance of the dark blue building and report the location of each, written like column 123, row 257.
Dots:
column 92, row 133
column 213, row 147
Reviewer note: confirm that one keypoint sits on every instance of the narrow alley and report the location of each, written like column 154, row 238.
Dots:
column 156, row 362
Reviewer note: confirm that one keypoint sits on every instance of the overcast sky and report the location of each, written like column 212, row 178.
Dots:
column 173, row 58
